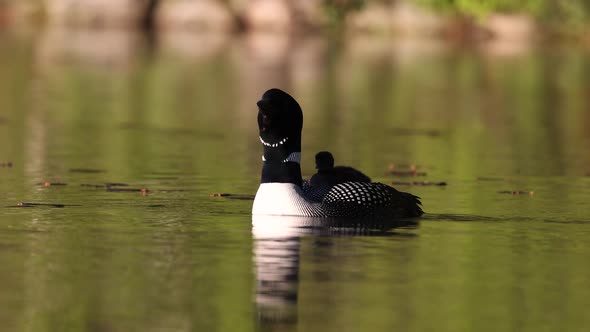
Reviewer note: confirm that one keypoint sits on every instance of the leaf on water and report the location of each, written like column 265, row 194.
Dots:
column 49, row 184
column 219, row 195
column 517, row 192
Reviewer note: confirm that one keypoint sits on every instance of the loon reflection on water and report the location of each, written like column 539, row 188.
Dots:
column 280, row 122
column 277, row 258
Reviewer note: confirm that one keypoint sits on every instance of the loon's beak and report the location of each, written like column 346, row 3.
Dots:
column 263, row 104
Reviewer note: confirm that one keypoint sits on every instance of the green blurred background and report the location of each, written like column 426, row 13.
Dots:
column 171, row 107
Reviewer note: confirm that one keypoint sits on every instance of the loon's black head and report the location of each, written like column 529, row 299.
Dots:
column 324, row 161
column 280, row 121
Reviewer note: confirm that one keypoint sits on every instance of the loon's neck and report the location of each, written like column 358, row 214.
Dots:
column 283, row 171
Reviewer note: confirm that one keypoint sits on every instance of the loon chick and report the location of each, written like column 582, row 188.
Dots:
column 328, row 176
column 280, row 121
column 324, row 163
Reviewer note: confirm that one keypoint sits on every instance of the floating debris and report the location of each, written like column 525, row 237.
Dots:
column 143, row 191
column 87, row 170
column 27, row 204
column 127, row 189
column 106, row 184
column 6, row 164
column 120, row 190
column 517, row 192
column 49, row 184
column 115, row 187
column 219, row 195
column 418, row 183
column 116, row 184
column 242, row 197
column 234, row 196
column 92, row 185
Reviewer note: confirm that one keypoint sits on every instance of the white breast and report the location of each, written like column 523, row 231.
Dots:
column 281, row 199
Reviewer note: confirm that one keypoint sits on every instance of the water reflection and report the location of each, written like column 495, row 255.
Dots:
column 276, row 261
column 277, row 257
column 487, row 120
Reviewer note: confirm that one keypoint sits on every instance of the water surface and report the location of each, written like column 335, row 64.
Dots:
column 179, row 120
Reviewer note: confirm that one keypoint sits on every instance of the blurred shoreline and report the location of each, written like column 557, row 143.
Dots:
column 388, row 17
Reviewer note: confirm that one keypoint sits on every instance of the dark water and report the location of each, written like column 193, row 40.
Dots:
column 86, row 108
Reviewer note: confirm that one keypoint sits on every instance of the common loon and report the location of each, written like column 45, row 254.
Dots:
column 280, row 121
column 328, row 176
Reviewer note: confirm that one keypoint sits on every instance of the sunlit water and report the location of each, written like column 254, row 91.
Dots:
column 178, row 119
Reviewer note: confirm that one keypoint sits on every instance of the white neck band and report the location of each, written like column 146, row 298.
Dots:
column 294, row 157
